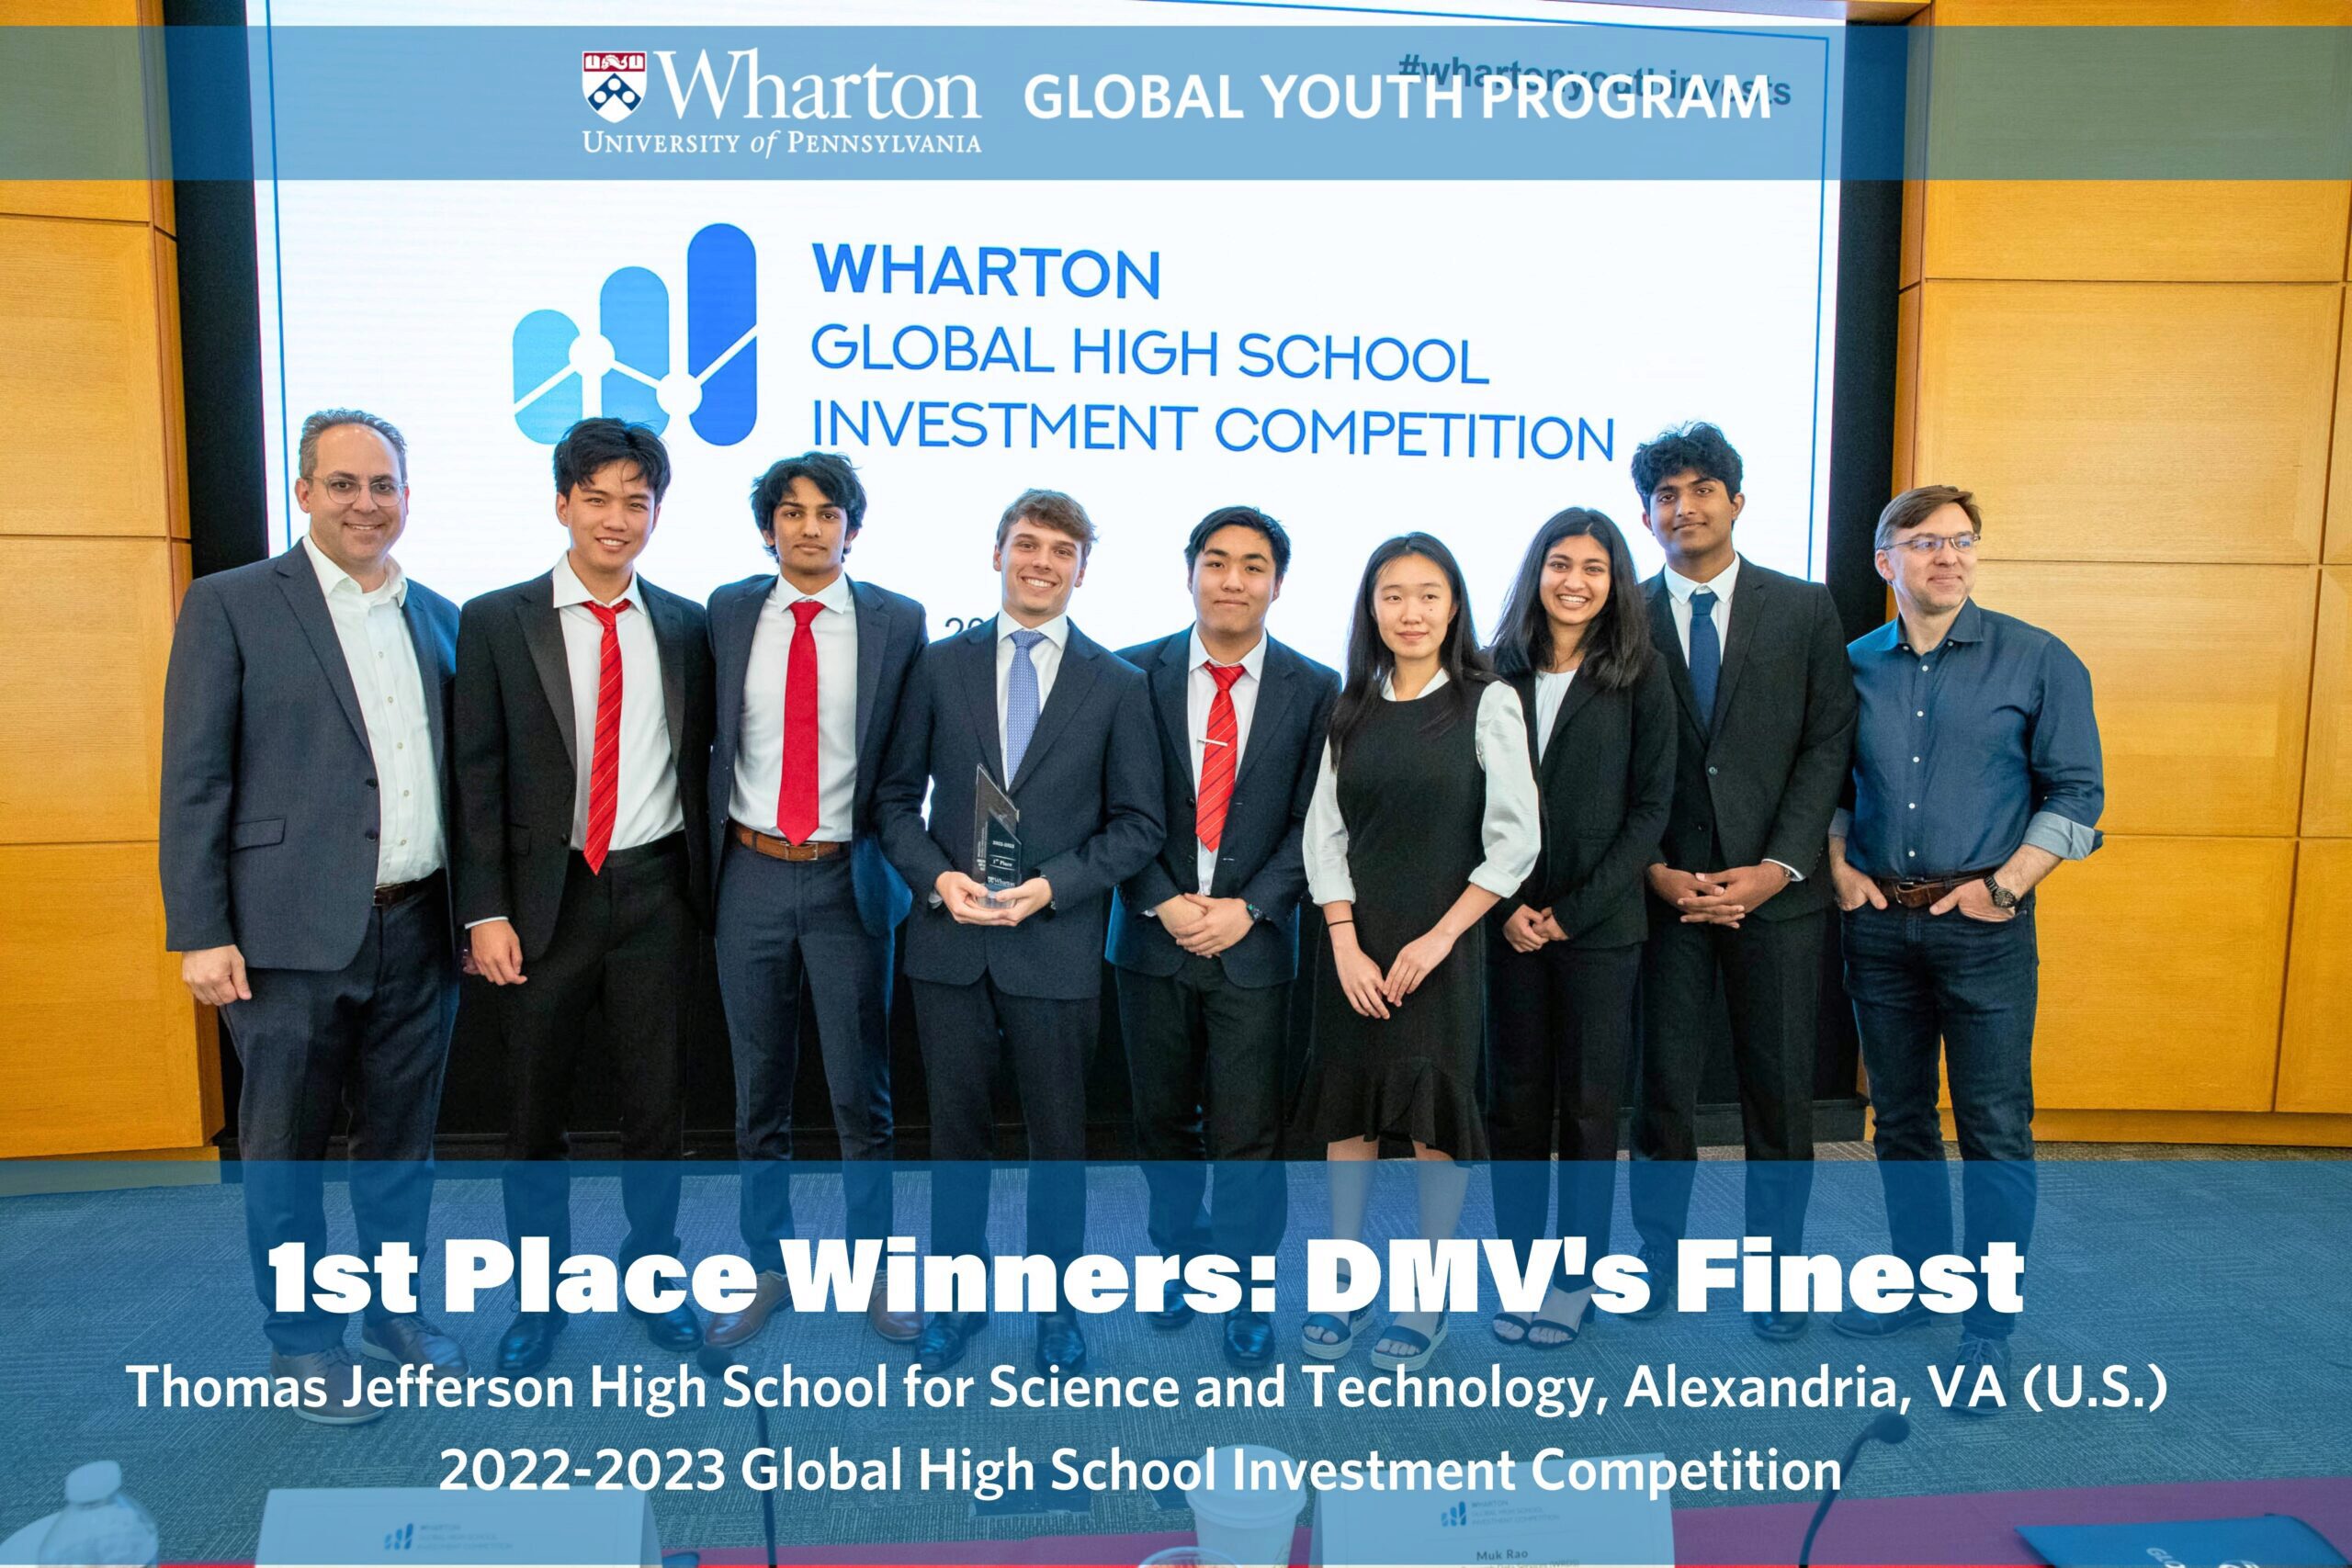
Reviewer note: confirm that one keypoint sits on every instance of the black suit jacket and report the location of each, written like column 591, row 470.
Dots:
column 1762, row 782
column 1259, row 856
column 1089, row 795
column 1606, row 784
column 515, row 743
column 270, row 801
column 890, row 637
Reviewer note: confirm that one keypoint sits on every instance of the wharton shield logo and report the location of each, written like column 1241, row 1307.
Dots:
column 623, row 368
column 613, row 82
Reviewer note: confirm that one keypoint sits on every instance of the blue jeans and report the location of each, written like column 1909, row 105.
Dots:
column 1964, row 990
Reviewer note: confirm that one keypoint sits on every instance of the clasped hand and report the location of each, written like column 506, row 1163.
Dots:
column 1201, row 926
column 1372, row 993
column 969, row 904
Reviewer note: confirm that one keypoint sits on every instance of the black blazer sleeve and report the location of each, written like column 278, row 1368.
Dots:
column 905, row 778
column 1649, row 797
column 1800, row 833
column 200, row 714
column 1281, row 881
column 1135, row 823
column 478, row 751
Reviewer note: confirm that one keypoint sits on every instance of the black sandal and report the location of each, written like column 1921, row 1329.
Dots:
column 1518, row 1320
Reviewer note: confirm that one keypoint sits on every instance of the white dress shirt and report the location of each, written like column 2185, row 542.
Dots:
column 1679, row 589
column 1509, row 829
column 1200, row 693
column 1551, row 691
column 759, row 738
column 646, row 806
column 373, row 629
column 1045, row 657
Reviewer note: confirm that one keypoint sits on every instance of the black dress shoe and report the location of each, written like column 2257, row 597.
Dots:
column 529, row 1341
column 944, row 1339
column 1060, row 1344
column 677, row 1329
column 1660, row 1263
column 1778, row 1324
column 1248, row 1338
column 1174, row 1316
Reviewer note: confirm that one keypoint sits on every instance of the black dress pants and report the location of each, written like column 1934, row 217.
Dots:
column 1204, row 1063
column 1771, row 976
column 1560, row 1025
column 624, row 943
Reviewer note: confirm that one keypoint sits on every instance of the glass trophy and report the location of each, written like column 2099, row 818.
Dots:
column 996, row 838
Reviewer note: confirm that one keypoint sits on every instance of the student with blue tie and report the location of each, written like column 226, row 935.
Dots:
column 1063, row 726
column 1739, row 892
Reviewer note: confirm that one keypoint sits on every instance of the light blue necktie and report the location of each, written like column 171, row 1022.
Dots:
column 1020, row 703
column 1706, row 655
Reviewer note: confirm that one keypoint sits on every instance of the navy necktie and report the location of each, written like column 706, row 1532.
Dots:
column 1706, row 655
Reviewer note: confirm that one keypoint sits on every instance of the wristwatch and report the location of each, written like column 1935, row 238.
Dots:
column 1256, row 914
column 2002, row 898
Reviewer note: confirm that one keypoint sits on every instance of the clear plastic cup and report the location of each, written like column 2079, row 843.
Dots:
column 1250, row 1529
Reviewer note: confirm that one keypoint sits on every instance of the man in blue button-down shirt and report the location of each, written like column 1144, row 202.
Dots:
column 1976, row 773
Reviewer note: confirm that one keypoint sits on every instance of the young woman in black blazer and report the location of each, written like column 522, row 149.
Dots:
column 1566, row 951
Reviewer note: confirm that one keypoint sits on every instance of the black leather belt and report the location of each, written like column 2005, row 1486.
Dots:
column 392, row 893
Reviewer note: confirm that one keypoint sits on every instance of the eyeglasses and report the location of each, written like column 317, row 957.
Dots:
column 1928, row 544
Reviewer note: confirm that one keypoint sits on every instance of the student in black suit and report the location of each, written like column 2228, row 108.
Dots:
column 1575, row 644
column 804, row 889
column 1064, row 727
column 583, row 739
column 1741, row 887
column 1205, row 938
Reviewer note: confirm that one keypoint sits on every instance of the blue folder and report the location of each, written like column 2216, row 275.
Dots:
column 2271, row 1540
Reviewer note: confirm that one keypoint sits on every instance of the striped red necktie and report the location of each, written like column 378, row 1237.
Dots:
column 1217, row 757
column 605, row 761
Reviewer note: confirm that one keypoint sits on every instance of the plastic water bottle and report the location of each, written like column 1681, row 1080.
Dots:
column 100, row 1524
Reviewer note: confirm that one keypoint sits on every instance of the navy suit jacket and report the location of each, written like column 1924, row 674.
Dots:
column 1089, row 795
column 1259, row 856
column 1763, row 779
column 890, row 639
column 270, row 801
column 516, row 747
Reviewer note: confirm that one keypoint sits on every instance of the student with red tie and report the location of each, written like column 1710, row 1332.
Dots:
column 581, row 731
column 1205, row 938
column 810, row 669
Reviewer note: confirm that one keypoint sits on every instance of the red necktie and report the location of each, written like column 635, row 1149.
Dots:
column 795, row 800
column 1218, row 756
column 605, row 761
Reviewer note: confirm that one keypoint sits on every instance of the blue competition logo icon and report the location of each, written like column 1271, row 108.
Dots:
column 400, row 1539
column 623, row 370
column 1454, row 1517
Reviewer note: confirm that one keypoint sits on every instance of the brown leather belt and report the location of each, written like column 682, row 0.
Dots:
column 784, row 849
column 392, row 893
column 1916, row 893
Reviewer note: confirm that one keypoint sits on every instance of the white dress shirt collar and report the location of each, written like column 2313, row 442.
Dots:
column 570, row 589
column 1722, row 583
column 1056, row 630
column 332, row 576
column 834, row 595
column 1253, row 662
column 1388, row 685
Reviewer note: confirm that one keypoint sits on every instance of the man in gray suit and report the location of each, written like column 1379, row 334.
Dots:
column 302, row 851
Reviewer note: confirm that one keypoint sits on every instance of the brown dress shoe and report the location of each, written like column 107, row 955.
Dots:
column 732, row 1328
column 411, row 1339
column 898, row 1328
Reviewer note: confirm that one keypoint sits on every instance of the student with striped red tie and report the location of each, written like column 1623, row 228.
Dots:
column 582, row 738
column 1205, row 938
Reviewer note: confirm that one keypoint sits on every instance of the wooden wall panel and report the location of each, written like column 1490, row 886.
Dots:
column 2132, row 422
column 120, row 201
column 86, row 639
column 2316, row 1048
column 2327, row 773
column 2144, row 13
column 82, row 379
column 2200, row 676
column 2339, row 488
column 2143, row 1009
column 100, row 1050
column 2155, row 231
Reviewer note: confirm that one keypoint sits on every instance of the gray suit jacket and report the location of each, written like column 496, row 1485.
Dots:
column 270, row 806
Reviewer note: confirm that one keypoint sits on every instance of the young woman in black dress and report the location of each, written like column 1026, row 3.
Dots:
column 1566, row 949
column 1423, row 818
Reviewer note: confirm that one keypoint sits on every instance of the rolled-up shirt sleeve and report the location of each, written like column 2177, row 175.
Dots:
column 2062, row 755
column 1510, row 828
column 1324, row 845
